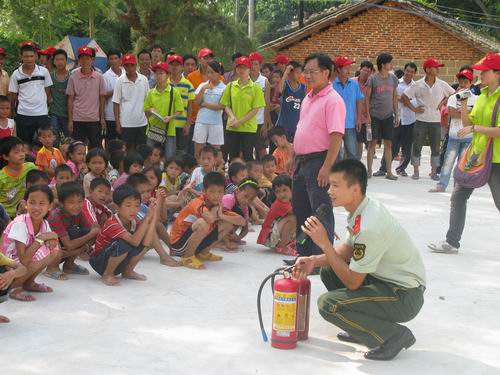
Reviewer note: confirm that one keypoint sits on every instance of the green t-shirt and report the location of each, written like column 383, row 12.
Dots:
column 242, row 99
column 13, row 187
column 382, row 248
column 186, row 90
column 160, row 101
column 481, row 115
column 59, row 106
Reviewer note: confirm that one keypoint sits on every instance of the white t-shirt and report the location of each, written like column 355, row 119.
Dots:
column 130, row 95
column 110, row 78
column 197, row 178
column 456, row 123
column 30, row 90
column 19, row 232
column 429, row 98
column 212, row 96
column 262, row 81
column 406, row 115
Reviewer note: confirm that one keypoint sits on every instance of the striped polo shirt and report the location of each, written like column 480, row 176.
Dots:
column 30, row 90
column 186, row 89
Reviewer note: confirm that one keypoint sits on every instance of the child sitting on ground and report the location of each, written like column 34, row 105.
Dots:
column 13, row 173
column 256, row 171
column 133, row 163
column 266, row 182
column 220, row 163
column 7, row 125
column 116, row 160
column 122, row 241
column 235, row 174
column 208, row 156
column 76, row 234
column 278, row 229
column 29, row 240
column 157, row 157
column 189, row 164
column 202, row 224
column 146, row 151
column 94, row 206
column 62, row 175
column 141, row 183
column 171, row 178
column 76, row 160
column 239, row 202
column 33, row 177
column 283, row 149
column 97, row 161
column 49, row 157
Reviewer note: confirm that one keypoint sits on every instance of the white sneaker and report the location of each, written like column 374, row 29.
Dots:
column 443, row 248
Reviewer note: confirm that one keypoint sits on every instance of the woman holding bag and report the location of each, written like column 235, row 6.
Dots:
column 484, row 124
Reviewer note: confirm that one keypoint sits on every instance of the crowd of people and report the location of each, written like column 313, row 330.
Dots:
column 174, row 154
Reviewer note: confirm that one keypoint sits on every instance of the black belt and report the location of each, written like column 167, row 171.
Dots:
column 311, row 156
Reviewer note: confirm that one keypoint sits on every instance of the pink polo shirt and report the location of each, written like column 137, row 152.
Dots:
column 86, row 89
column 320, row 115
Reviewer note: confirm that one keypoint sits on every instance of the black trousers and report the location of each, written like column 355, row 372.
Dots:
column 403, row 136
column 240, row 142
column 27, row 126
column 88, row 130
column 134, row 137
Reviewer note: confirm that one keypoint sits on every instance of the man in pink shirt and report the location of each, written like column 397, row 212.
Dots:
column 315, row 147
column 86, row 94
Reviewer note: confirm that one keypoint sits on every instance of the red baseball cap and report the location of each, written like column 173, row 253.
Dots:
column 160, row 66
column 2, row 51
column 30, row 43
column 281, row 59
column 243, row 60
column 432, row 63
column 129, row 58
column 466, row 73
column 343, row 61
column 50, row 50
column 85, row 51
column 204, row 52
column 255, row 56
column 490, row 61
column 175, row 58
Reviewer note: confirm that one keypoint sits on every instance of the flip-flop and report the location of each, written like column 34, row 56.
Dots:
column 56, row 275
column 209, row 257
column 38, row 288
column 77, row 270
column 193, row 263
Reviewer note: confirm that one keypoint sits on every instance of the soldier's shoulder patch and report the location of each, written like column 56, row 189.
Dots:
column 359, row 251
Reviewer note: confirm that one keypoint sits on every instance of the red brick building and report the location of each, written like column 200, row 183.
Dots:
column 408, row 30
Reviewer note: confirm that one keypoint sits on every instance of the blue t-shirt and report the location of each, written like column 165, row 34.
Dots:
column 351, row 94
column 290, row 107
column 212, row 96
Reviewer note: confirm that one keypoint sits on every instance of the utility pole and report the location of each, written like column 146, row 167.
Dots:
column 251, row 18
column 91, row 24
column 301, row 14
column 236, row 12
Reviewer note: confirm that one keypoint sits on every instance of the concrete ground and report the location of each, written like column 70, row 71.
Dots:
column 183, row 321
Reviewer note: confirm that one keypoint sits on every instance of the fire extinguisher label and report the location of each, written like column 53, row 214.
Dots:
column 285, row 307
column 301, row 312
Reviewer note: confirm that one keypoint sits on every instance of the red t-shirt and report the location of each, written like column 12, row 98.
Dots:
column 95, row 213
column 111, row 230
column 278, row 209
column 60, row 223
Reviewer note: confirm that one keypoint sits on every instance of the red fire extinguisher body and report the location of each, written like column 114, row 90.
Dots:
column 304, row 303
column 285, row 305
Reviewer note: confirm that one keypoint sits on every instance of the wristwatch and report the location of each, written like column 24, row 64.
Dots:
column 40, row 241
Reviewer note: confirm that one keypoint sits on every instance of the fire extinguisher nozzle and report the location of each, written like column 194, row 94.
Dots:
column 264, row 336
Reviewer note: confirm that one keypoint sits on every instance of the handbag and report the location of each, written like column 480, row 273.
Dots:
column 474, row 168
column 156, row 133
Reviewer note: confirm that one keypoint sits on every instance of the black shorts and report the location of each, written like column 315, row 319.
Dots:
column 99, row 262
column 383, row 129
column 111, row 131
column 261, row 142
column 361, row 135
column 134, row 136
column 179, row 247
column 4, row 294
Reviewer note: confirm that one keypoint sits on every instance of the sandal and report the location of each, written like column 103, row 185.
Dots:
column 209, row 257
column 76, row 270
column 193, row 263
column 56, row 275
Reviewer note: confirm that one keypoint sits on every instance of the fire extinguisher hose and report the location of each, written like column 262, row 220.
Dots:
column 277, row 272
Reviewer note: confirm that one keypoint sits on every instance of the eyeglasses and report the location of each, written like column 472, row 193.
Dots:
column 308, row 72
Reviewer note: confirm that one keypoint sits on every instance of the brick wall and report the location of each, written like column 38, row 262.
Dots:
column 407, row 37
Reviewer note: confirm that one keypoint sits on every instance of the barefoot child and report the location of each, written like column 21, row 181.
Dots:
column 283, row 149
column 76, row 234
column 208, row 157
column 94, row 206
column 278, row 229
column 29, row 240
column 97, row 161
column 266, row 182
column 62, row 175
column 123, row 241
column 171, row 180
column 33, row 177
column 256, row 171
column 49, row 157
column 202, row 223
column 236, row 173
column 13, row 173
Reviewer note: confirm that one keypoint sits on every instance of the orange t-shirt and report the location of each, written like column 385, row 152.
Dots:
column 281, row 157
column 196, row 79
column 49, row 159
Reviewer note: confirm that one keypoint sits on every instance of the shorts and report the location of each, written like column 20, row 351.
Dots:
column 361, row 135
column 111, row 132
column 179, row 247
column 134, row 136
column 99, row 261
column 274, row 238
column 261, row 142
column 4, row 294
column 383, row 129
column 211, row 134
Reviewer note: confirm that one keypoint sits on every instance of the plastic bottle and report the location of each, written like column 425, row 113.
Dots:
column 369, row 132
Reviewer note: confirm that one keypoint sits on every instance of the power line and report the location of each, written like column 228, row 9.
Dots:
column 460, row 10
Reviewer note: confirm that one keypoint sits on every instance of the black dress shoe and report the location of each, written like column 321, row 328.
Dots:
column 344, row 336
column 379, row 173
column 392, row 346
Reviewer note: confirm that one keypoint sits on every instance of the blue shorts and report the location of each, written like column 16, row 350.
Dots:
column 99, row 262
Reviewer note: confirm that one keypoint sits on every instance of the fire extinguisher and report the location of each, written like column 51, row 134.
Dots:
column 291, row 300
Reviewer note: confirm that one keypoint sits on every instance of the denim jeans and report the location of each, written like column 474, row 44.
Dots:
column 458, row 206
column 420, row 131
column 454, row 151
column 350, row 144
column 60, row 126
column 169, row 146
column 307, row 196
